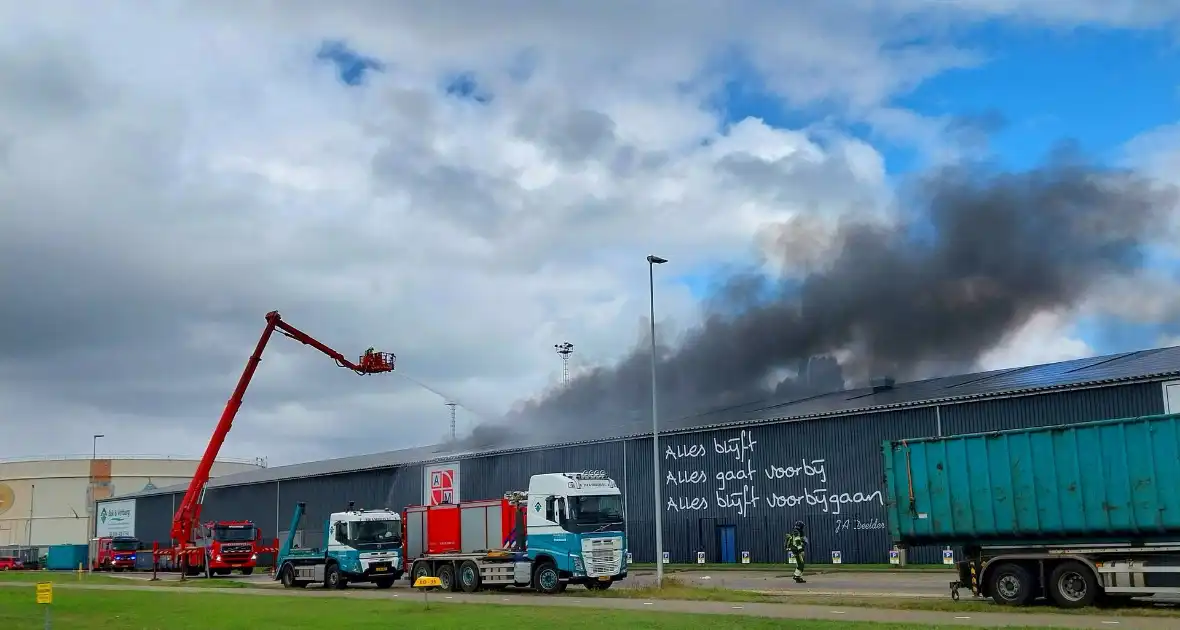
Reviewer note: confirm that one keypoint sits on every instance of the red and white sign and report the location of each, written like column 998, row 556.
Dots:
column 441, row 484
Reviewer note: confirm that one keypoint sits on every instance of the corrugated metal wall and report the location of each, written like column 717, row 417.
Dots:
column 392, row 488
column 153, row 518
column 1123, row 401
column 491, row 477
column 757, row 482
column 255, row 503
column 752, row 484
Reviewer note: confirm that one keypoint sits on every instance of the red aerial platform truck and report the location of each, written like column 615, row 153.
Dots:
column 218, row 547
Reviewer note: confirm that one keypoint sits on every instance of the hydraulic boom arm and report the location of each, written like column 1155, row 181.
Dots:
column 187, row 518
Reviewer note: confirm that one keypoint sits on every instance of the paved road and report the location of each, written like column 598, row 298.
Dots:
column 779, row 611
column 896, row 585
column 867, row 584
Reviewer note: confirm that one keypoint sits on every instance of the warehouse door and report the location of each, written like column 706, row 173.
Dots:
column 728, row 536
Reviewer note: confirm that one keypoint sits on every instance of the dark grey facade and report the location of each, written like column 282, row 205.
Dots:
column 745, row 484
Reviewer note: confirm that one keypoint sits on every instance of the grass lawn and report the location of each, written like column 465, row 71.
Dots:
column 675, row 589
column 89, row 610
column 811, row 567
column 71, row 577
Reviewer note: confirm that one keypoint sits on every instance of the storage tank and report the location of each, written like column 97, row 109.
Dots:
column 50, row 500
column 1105, row 481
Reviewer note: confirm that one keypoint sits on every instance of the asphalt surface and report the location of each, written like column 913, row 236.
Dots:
column 882, row 584
column 842, row 583
column 781, row 611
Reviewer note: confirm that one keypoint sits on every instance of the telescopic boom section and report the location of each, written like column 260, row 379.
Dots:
column 188, row 515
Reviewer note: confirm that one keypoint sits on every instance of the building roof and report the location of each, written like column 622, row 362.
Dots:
column 1126, row 367
column 1109, row 369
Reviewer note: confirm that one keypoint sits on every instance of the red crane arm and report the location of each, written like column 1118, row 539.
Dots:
column 187, row 518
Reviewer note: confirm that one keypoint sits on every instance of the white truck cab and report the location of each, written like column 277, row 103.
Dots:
column 576, row 523
column 567, row 528
column 358, row 546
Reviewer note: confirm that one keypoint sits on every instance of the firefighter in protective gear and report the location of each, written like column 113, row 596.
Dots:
column 797, row 544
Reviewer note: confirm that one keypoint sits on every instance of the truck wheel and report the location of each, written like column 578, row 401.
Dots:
column 420, row 570
column 446, row 575
column 383, row 584
column 469, row 576
column 598, row 586
column 333, row 579
column 248, row 571
column 546, row 579
column 1011, row 585
column 1073, row 585
column 288, row 577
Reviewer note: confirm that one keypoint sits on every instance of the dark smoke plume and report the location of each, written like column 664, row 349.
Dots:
column 972, row 255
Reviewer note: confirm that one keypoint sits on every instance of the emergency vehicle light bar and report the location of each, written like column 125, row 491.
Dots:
column 588, row 474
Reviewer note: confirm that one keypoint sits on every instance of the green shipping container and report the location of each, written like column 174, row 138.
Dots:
column 68, row 557
column 1105, row 481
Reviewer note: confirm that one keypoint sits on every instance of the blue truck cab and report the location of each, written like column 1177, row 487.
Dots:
column 576, row 530
column 358, row 546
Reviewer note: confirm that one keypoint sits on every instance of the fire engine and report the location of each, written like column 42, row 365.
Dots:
column 568, row 528
column 206, row 547
column 115, row 554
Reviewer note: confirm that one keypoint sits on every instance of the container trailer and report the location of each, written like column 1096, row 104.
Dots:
column 358, row 546
column 568, row 528
column 1072, row 513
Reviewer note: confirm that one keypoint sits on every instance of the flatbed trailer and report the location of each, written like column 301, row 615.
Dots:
column 494, row 570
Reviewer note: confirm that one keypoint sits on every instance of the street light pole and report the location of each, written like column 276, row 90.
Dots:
column 652, row 261
column 94, row 446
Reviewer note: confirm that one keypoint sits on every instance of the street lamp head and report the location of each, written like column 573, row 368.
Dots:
column 98, row 435
column 656, row 260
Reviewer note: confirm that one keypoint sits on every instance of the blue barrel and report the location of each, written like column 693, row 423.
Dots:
column 1104, row 481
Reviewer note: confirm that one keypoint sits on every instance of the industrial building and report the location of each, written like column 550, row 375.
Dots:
column 735, row 480
column 50, row 500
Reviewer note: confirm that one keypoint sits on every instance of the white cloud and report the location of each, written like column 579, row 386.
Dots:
column 171, row 172
column 1046, row 338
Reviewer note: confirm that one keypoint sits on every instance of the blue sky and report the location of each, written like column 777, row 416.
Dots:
column 1098, row 88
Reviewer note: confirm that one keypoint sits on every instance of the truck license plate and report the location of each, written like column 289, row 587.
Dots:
column 379, row 569
column 604, row 578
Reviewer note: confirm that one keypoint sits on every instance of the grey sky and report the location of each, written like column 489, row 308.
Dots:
column 171, row 172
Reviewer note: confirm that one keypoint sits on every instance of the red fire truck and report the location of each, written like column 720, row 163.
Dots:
column 115, row 554
column 219, row 547
column 223, row 546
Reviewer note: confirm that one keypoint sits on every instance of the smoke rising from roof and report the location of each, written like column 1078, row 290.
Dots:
column 973, row 253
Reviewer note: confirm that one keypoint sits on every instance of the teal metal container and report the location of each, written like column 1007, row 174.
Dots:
column 1105, row 481
column 68, row 557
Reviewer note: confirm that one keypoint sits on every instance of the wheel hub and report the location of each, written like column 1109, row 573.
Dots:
column 1072, row 586
column 1008, row 586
